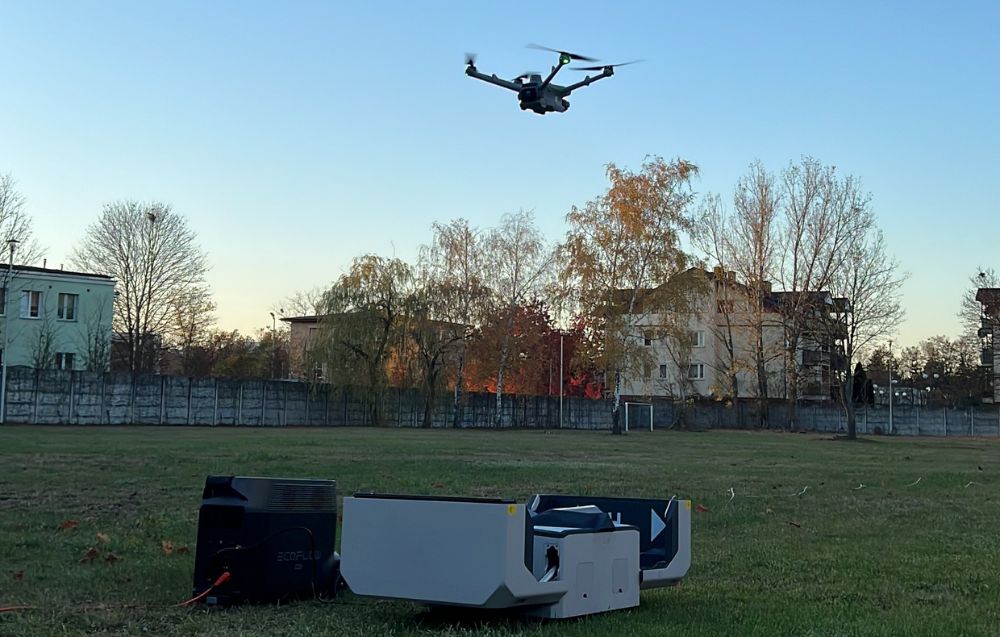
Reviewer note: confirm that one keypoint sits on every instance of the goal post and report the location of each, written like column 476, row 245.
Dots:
column 634, row 406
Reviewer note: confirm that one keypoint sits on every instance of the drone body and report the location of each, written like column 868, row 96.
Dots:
column 542, row 96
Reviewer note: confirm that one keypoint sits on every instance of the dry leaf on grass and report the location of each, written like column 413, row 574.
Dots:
column 111, row 558
column 183, row 550
column 68, row 525
column 103, row 538
column 17, row 575
column 90, row 555
column 167, row 547
column 701, row 508
column 768, row 510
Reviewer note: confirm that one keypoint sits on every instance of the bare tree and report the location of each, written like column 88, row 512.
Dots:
column 43, row 343
column 96, row 336
column 193, row 321
column 15, row 222
column 454, row 266
column 157, row 263
column 870, row 284
column 753, row 231
column 713, row 239
column 301, row 303
column 822, row 214
column 621, row 258
column 520, row 264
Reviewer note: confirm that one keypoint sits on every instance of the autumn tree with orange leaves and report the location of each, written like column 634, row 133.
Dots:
column 621, row 255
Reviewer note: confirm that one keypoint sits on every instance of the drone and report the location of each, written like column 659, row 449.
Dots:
column 542, row 96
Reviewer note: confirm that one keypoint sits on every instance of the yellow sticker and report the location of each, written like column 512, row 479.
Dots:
column 511, row 509
column 687, row 505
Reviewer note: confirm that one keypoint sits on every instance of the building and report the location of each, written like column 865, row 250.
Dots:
column 55, row 319
column 302, row 332
column 714, row 347
column 989, row 334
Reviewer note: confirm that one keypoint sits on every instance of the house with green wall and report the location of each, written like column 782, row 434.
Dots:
column 55, row 319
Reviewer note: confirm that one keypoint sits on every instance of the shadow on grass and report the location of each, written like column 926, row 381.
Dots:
column 456, row 618
column 844, row 438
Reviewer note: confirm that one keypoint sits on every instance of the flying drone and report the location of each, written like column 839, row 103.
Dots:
column 542, row 96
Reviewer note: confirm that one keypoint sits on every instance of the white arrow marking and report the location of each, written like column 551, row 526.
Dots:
column 656, row 525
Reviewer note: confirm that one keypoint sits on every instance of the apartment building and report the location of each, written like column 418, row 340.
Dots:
column 714, row 349
column 55, row 318
column 989, row 334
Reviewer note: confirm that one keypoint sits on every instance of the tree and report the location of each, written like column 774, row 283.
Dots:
column 822, row 214
column 520, row 262
column 15, row 223
column 362, row 323
column 453, row 263
column 433, row 339
column 870, row 284
column 192, row 325
column 621, row 257
column 157, row 263
column 750, row 238
column 95, row 350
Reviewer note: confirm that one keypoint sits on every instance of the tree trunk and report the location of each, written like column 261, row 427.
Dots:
column 848, row 394
column 762, row 404
column 428, row 402
column 503, row 363
column 616, row 424
column 793, row 387
column 459, row 389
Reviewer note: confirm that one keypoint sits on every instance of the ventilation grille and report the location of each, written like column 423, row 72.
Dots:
column 302, row 497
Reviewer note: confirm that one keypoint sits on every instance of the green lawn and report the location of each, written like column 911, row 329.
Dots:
column 886, row 559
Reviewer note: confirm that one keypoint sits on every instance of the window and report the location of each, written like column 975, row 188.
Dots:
column 67, row 306
column 696, row 371
column 663, row 371
column 726, row 306
column 31, row 304
column 64, row 360
column 697, row 338
column 647, row 338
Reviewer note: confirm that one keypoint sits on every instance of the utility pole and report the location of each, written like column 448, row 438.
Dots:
column 560, row 379
column 12, row 244
column 890, row 386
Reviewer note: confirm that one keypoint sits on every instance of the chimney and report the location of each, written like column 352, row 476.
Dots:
column 718, row 271
column 44, row 261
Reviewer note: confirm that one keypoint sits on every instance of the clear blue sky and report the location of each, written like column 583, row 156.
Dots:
column 295, row 136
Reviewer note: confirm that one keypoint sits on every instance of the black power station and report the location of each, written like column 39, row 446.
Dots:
column 275, row 537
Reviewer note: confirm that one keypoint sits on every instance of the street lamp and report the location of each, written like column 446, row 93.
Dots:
column 11, row 245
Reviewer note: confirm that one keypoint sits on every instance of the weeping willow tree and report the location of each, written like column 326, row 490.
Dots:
column 362, row 326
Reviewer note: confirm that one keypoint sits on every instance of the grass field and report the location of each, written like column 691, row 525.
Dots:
column 891, row 558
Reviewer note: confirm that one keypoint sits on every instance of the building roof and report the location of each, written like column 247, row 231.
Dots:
column 302, row 319
column 37, row 270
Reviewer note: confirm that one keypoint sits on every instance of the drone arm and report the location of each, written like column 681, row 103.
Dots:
column 587, row 81
column 492, row 79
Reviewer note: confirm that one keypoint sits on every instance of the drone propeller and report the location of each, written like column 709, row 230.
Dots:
column 602, row 67
column 470, row 59
column 572, row 56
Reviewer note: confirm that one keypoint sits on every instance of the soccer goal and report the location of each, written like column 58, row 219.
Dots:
column 640, row 413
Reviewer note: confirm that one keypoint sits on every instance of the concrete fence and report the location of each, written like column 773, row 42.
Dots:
column 86, row 398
